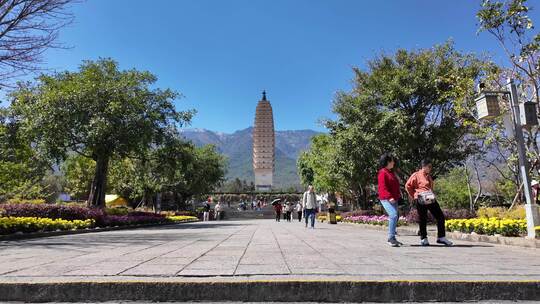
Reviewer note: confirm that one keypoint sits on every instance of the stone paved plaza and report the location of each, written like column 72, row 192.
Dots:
column 255, row 249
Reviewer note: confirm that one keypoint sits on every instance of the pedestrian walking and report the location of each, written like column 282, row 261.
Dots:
column 299, row 209
column 289, row 211
column 389, row 195
column 420, row 190
column 206, row 210
column 218, row 209
column 309, row 204
column 277, row 209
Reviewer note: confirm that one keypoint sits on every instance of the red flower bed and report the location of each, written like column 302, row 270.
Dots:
column 70, row 212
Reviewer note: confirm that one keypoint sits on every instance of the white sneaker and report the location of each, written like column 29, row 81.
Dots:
column 424, row 242
column 444, row 241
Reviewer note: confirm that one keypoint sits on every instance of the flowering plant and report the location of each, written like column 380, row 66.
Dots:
column 381, row 220
column 34, row 224
column 488, row 226
column 182, row 218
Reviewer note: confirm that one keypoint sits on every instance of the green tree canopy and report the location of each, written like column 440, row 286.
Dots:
column 100, row 112
column 406, row 103
column 22, row 170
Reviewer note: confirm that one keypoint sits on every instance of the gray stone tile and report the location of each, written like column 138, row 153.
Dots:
column 246, row 269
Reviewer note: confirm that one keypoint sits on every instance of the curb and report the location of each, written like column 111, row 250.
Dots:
column 492, row 239
column 33, row 235
column 271, row 291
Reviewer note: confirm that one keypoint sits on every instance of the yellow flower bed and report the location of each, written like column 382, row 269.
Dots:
column 10, row 225
column 182, row 218
column 488, row 226
column 322, row 218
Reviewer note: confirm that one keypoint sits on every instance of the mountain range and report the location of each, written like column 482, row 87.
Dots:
column 238, row 149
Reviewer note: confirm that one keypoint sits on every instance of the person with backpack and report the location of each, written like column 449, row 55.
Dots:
column 389, row 195
column 206, row 210
column 309, row 203
column 420, row 190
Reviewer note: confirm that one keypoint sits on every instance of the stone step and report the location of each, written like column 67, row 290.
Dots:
column 266, row 290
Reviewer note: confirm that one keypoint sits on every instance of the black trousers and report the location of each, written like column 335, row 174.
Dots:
column 437, row 213
column 278, row 216
column 299, row 215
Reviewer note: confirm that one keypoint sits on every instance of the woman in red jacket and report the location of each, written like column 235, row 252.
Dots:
column 389, row 195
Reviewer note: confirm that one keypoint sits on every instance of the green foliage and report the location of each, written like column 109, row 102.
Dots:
column 319, row 167
column 176, row 166
column 406, row 103
column 502, row 213
column 204, row 173
column 22, row 170
column 78, row 171
column 100, row 112
column 117, row 211
column 237, row 186
column 25, row 201
column 510, row 23
column 507, row 189
column 451, row 189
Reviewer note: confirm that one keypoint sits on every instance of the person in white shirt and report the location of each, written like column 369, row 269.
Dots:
column 217, row 210
column 298, row 210
column 309, row 203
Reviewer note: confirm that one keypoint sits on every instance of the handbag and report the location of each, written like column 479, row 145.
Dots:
column 426, row 197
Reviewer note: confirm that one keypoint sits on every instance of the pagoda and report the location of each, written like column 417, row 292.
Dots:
column 263, row 145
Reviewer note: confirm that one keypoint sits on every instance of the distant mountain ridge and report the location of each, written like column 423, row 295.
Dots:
column 237, row 147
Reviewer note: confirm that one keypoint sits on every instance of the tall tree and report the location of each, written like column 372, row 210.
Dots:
column 27, row 29
column 100, row 112
column 22, row 170
column 78, row 171
column 205, row 173
column 509, row 22
column 405, row 103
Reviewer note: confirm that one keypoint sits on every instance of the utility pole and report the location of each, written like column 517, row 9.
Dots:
column 531, row 208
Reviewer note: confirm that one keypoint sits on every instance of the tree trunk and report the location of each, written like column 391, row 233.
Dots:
column 158, row 202
column 96, row 198
column 469, row 188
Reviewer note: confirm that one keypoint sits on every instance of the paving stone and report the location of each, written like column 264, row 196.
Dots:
column 247, row 269
column 259, row 248
column 153, row 270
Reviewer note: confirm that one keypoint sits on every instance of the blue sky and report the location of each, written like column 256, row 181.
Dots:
column 221, row 54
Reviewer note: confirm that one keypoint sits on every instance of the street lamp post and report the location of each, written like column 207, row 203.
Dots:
column 531, row 208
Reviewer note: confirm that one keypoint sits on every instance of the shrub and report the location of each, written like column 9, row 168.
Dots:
column 66, row 212
column 25, row 201
column 412, row 216
column 33, row 224
column 126, row 220
column 360, row 212
column 117, row 211
column 488, row 226
column 186, row 213
column 451, row 189
column 145, row 213
column 503, row 213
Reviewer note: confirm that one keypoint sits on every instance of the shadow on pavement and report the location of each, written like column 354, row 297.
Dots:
column 454, row 246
